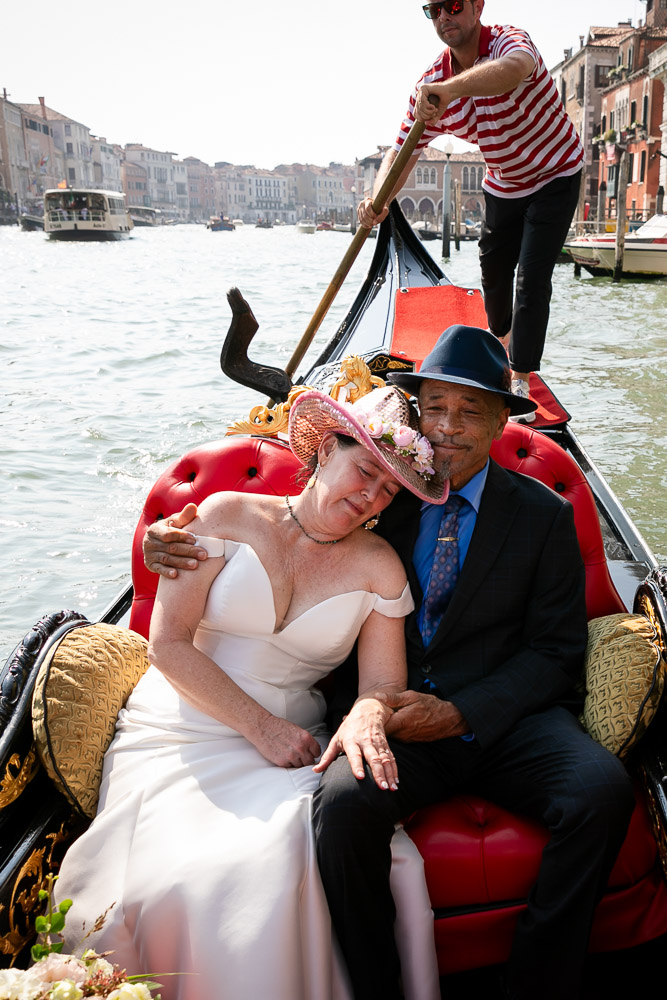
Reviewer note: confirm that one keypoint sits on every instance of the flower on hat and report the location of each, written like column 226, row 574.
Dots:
column 404, row 441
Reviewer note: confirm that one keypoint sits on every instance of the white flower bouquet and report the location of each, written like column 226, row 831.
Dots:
column 58, row 976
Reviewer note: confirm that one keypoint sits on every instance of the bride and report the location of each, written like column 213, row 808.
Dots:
column 203, row 835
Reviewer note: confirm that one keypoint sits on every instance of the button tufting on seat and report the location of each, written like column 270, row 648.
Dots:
column 252, row 471
column 521, row 452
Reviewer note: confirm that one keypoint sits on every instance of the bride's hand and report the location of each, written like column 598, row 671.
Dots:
column 360, row 737
column 285, row 744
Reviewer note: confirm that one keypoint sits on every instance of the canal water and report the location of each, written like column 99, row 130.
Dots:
column 110, row 362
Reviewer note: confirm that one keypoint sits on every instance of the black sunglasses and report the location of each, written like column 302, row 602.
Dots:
column 433, row 10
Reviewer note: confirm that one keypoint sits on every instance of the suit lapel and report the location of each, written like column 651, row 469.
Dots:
column 494, row 520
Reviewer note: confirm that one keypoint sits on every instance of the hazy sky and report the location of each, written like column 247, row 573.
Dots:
column 261, row 83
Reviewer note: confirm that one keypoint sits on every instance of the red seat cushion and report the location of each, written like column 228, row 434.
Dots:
column 481, row 861
column 249, row 465
column 525, row 450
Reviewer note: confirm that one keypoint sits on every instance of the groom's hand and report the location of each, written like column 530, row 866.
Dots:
column 361, row 737
column 167, row 548
column 421, row 718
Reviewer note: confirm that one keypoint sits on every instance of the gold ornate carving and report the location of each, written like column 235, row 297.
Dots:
column 355, row 380
column 645, row 607
column 269, row 422
column 382, row 363
column 18, row 774
column 659, row 831
column 26, row 897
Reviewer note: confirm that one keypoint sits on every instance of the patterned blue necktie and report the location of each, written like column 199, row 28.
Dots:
column 445, row 570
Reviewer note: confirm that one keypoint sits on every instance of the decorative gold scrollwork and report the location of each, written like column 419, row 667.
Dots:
column 25, row 897
column 659, row 831
column 384, row 363
column 18, row 774
column 269, row 422
column 646, row 607
column 355, row 380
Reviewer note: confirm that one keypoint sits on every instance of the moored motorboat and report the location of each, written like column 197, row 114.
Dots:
column 86, row 214
column 644, row 254
column 305, row 226
column 403, row 304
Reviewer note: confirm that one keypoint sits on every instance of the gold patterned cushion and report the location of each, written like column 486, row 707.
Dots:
column 80, row 690
column 625, row 677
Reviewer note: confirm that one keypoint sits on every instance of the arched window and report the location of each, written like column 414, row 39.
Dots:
column 480, row 177
column 433, row 177
column 418, row 175
column 426, row 208
column 408, row 207
column 465, row 179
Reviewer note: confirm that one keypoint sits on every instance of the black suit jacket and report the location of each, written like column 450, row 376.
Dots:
column 514, row 634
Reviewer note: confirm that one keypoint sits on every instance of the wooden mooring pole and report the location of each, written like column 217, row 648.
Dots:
column 621, row 198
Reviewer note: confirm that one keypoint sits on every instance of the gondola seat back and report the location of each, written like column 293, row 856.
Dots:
column 525, row 450
column 244, row 464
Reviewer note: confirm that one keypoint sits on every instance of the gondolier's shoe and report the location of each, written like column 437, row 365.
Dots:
column 520, row 388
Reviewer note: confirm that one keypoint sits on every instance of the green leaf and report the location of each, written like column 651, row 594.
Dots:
column 57, row 922
column 43, row 894
column 65, row 906
column 58, row 947
column 41, row 925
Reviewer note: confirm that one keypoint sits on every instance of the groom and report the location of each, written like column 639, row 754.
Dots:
column 494, row 649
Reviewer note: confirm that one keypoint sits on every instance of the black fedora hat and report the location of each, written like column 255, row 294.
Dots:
column 467, row 355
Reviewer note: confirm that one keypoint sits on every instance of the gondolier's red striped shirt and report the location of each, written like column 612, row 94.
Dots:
column 525, row 136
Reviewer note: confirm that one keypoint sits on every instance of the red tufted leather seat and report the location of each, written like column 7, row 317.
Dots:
column 480, row 860
column 249, row 465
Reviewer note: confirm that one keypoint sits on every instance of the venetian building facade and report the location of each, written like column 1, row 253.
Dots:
column 657, row 68
column 72, row 140
column 421, row 197
column 231, row 191
column 631, row 118
column 14, row 163
column 161, row 178
column 581, row 78
column 106, row 165
column 201, row 189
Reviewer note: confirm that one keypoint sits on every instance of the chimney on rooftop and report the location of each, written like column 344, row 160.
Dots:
column 581, row 41
column 41, row 101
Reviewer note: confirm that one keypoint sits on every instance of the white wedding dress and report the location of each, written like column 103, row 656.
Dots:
column 206, row 847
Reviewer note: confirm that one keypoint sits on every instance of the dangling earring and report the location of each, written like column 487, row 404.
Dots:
column 313, row 479
column 372, row 523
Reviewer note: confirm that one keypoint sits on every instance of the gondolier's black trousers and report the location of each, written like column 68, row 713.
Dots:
column 524, row 235
column 545, row 767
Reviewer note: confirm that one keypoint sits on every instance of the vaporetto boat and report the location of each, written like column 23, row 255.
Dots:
column 480, row 860
column 86, row 214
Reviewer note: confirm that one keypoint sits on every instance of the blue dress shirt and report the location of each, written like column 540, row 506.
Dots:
column 429, row 525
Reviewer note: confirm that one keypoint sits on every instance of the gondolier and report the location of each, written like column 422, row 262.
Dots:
column 494, row 89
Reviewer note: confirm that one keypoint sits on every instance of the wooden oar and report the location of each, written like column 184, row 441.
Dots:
column 380, row 200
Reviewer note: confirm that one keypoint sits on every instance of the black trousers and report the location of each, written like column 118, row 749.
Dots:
column 546, row 767
column 524, row 235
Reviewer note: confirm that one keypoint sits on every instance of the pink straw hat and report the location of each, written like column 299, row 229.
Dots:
column 382, row 421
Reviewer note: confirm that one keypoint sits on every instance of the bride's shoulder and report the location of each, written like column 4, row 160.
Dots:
column 387, row 573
